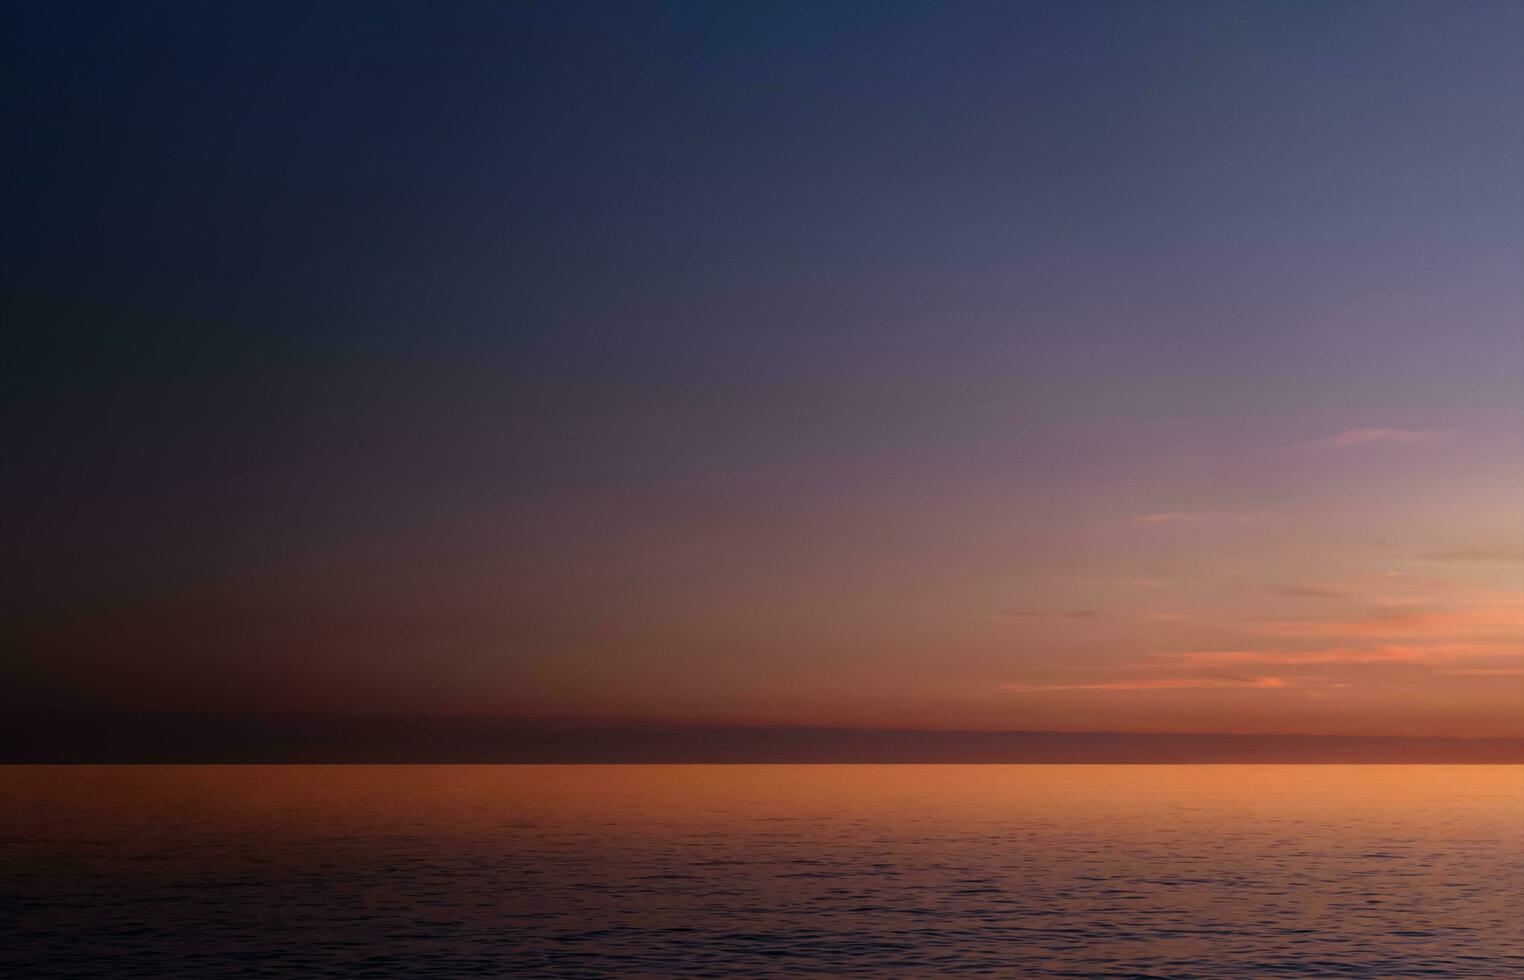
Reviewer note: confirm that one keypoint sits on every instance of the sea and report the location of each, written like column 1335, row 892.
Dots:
column 761, row 871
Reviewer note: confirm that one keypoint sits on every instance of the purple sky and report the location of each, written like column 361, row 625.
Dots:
column 1144, row 367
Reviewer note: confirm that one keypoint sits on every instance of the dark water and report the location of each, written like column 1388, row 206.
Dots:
column 519, row 871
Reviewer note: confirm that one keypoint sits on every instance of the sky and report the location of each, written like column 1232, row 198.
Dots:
column 1052, row 366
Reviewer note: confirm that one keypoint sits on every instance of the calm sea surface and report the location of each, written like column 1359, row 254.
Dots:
column 586, row 871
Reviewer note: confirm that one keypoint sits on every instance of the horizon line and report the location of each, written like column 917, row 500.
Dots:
column 74, row 737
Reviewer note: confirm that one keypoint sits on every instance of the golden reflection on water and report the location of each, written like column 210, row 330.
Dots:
column 578, row 870
column 451, row 798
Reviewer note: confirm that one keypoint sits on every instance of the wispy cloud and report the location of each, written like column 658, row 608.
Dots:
column 1050, row 614
column 1486, row 620
column 1157, row 684
column 1396, row 625
column 1448, row 653
column 1309, row 592
column 1175, row 517
column 1202, row 517
column 1371, row 437
column 1503, row 553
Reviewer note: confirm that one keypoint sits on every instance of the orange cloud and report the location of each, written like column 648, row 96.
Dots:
column 1442, row 653
column 1310, row 592
column 1486, row 620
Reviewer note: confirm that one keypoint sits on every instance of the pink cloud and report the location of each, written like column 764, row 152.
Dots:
column 1175, row 517
column 1053, row 614
column 1164, row 684
column 1370, row 437
column 1500, row 553
column 1201, row 517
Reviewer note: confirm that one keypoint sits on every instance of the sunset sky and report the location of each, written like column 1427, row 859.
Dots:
column 1145, row 367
